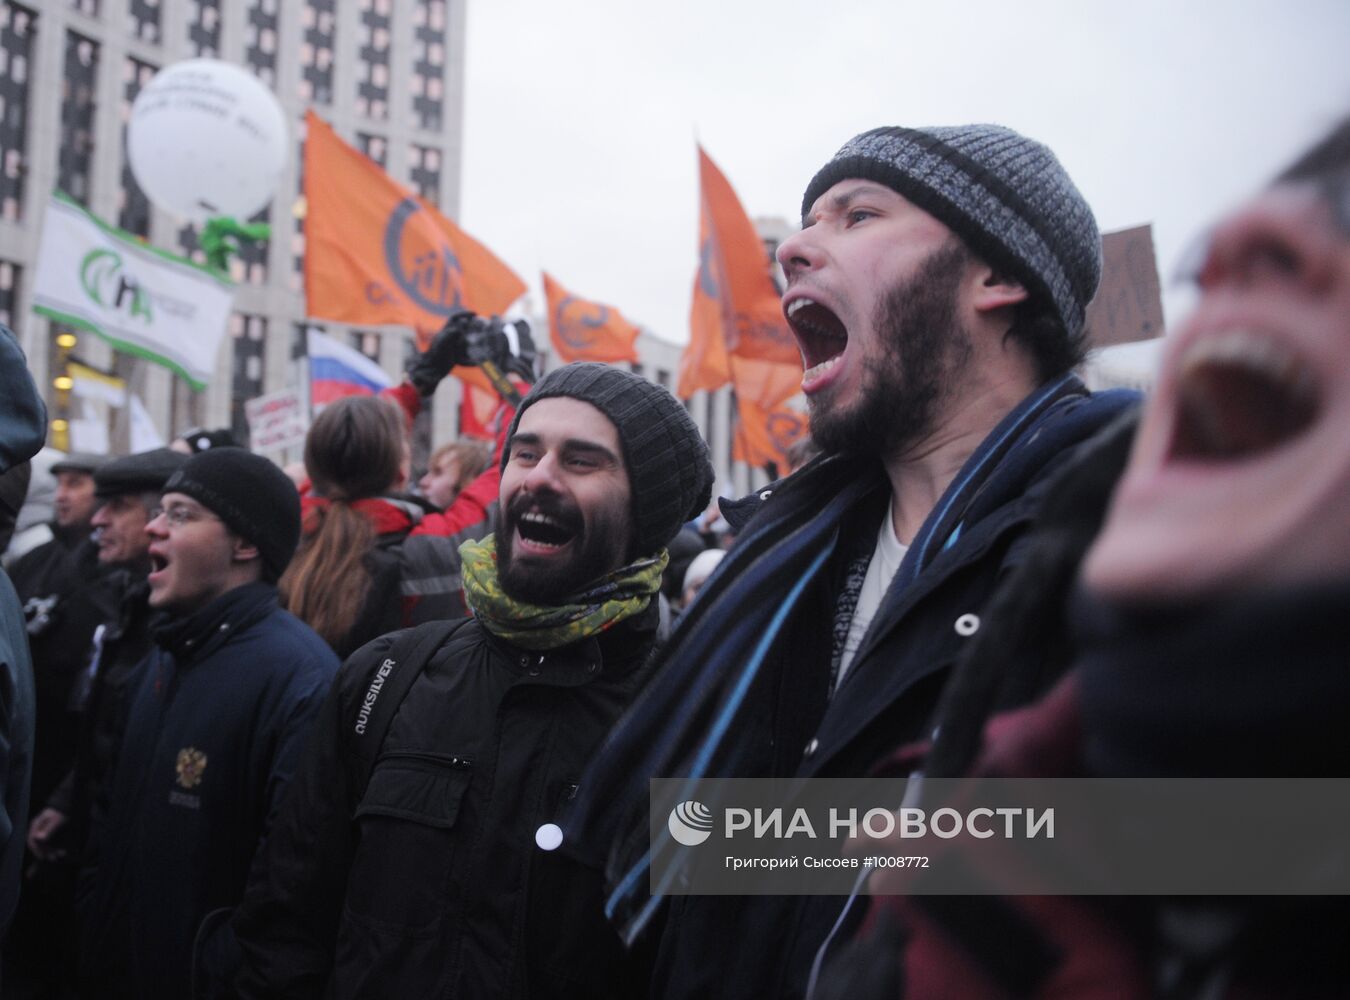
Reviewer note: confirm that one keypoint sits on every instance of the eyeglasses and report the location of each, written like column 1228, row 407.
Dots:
column 180, row 515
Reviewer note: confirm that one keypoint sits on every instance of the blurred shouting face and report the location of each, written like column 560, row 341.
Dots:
column 1240, row 474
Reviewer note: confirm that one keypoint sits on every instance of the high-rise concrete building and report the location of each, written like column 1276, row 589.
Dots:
column 389, row 75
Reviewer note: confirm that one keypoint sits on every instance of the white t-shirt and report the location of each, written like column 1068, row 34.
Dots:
column 886, row 559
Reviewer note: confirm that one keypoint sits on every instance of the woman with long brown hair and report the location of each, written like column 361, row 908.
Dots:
column 345, row 581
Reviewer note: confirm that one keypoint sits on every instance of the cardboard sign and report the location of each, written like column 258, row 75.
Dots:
column 1128, row 306
column 277, row 421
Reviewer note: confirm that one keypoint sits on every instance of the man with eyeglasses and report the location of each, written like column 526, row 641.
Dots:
column 222, row 705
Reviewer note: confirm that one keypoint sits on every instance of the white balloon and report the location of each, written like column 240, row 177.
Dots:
column 207, row 138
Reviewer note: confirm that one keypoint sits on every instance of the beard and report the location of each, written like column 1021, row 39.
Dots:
column 923, row 356
column 594, row 549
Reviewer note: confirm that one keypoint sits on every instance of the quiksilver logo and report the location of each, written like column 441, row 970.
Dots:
column 363, row 716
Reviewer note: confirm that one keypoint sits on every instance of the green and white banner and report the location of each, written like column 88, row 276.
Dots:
column 142, row 300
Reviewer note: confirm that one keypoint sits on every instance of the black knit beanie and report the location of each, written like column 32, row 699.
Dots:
column 669, row 472
column 1005, row 195
column 255, row 499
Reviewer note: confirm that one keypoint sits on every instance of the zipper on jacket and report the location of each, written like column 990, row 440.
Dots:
column 450, row 760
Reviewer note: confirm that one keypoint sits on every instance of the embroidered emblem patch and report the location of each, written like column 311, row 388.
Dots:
column 191, row 764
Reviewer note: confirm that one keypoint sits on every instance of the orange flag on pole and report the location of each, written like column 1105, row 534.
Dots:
column 587, row 331
column 764, row 436
column 377, row 253
column 736, row 313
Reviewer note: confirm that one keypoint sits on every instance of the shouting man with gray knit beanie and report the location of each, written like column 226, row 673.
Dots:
column 438, row 868
column 937, row 291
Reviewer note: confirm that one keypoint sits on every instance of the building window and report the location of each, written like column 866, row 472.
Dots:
column 374, row 146
column 425, row 172
column 367, row 343
column 249, row 336
column 133, row 207
column 86, row 7
column 372, row 88
column 260, row 49
column 428, row 81
column 249, row 267
column 145, row 20
column 318, row 21
column 189, row 244
column 17, row 28
column 297, row 278
column 77, row 116
column 9, row 292
column 204, row 27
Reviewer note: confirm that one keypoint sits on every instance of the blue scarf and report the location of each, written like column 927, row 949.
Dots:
column 685, row 722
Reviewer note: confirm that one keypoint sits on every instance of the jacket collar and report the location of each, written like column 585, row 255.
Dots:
column 196, row 636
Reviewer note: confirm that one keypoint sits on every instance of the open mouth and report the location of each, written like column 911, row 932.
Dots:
column 820, row 334
column 1241, row 395
column 158, row 563
column 544, row 531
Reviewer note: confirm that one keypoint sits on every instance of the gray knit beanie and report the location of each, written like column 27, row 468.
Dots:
column 1005, row 195
column 667, row 461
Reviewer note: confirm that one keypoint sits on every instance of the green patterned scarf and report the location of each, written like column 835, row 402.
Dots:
column 606, row 602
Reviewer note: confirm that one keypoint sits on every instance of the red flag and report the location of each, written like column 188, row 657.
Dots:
column 736, row 312
column 587, row 331
column 377, row 253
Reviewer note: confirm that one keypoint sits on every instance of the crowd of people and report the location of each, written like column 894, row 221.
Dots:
column 351, row 733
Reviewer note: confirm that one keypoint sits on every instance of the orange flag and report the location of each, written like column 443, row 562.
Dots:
column 587, row 331
column 736, row 313
column 377, row 253
column 764, row 436
column 476, row 411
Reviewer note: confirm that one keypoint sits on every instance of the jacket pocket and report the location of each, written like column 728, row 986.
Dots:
column 406, row 834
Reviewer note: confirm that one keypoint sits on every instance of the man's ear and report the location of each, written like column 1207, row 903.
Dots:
column 244, row 550
column 998, row 291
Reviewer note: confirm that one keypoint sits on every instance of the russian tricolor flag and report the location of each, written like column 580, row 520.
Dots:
column 336, row 370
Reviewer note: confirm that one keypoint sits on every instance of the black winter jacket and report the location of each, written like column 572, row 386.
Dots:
column 66, row 594
column 427, row 881
column 223, row 705
column 733, row 947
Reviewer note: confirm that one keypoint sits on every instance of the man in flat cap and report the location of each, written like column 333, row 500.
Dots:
column 126, row 490
column 222, row 705
column 65, row 595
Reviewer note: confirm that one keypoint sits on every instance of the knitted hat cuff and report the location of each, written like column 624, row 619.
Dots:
column 1006, row 196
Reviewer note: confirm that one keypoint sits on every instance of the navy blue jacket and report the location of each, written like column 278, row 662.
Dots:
column 224, row 703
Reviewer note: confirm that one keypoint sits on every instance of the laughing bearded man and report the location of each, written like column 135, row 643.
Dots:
column 937, row 291
column 436, row 869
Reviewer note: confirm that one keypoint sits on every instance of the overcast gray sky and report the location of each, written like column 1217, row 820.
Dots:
column 582, row 118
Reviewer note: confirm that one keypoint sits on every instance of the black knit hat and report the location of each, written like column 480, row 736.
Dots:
column 1005, row 195
column 667, row 461
column 144, row 472
column 254, row 498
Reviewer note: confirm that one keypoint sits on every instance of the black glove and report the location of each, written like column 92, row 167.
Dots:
column 458, row 343
column 522, row 364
